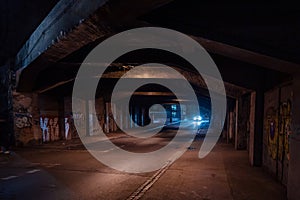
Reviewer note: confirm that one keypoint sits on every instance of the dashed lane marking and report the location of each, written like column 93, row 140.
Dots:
column 48, row 165
column 20, row 175
column 8, row 178
column 33, row 171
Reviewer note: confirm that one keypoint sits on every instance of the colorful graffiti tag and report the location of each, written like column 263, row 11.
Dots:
column 23, row 120
column 284, row 129
column 272, row 130
column 70, row 130
column 278, row 127
column 50, row 128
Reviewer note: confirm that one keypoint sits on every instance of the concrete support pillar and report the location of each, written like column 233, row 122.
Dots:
column 106, row 117
column 87, row 117
column 114, row 114
column 231, row 126
column 6, row 107
column 121, row 121
column 236, row 124
column 61, row 118
column 227, row 126
column 131, row 116
column 93, row 119
column 126, row 118
column 252, row 128
column 143, row 117
column 258, row 128
column 37, row 131
column 293, row 185
column 136, row 115
column 243, row 113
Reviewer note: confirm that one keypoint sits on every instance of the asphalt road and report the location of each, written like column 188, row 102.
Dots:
column 61, row 172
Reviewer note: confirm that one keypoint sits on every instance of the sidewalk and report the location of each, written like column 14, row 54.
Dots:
column 73, row 144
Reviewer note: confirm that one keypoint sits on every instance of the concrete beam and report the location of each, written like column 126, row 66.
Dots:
column 248, row 56
column 77, row 23
column 232, row 91
column 62, row 18
column 74, row 24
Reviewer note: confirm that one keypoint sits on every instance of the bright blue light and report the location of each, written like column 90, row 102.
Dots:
column 197, row 118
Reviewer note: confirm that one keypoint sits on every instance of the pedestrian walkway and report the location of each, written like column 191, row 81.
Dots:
column 73, row 144
column 224, row 174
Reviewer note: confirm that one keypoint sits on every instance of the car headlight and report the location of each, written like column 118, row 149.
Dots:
column 198, row 118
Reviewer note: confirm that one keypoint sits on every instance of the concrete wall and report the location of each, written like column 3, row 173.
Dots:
column 37, row 118
column 251, row 140
column 87, row 120
column 277, row 130
column 43, row 118
column 6, row 106
column 70, row 131
column 293, row 185
column 26, row 119
column 50, row 118
column 243, row 126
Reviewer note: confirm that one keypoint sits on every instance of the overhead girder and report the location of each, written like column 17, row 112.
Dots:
column 60, row 77
column 61, row 38
column 66, row 30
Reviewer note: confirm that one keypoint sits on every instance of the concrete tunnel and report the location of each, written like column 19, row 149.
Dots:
column 258, row 62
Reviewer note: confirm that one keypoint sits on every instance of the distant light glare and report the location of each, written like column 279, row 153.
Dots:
column 197, row 118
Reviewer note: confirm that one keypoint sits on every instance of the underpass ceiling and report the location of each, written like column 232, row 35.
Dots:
column 18, row 20
column 268, row 29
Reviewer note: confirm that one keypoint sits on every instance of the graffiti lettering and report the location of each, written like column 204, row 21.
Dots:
column 271, row 125
column 50, row 128
column 285, row 129
column 23, row 120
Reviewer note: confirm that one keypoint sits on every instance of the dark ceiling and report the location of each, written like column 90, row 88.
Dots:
column 18, row 19
column 268, row 28
column 271, row 28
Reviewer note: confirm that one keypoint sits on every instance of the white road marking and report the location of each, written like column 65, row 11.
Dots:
column 9, row 177
column 33, row 171
column 28, row 172
column 108, row 150
column 48, row 165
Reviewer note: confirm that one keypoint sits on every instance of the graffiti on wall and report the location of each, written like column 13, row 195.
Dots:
column 67, row 128
column 278, row 127
column 271, row 125
column 22, row 111
column 50, row 128
column 284, row 129
column 23, row 120
column 70, row 130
